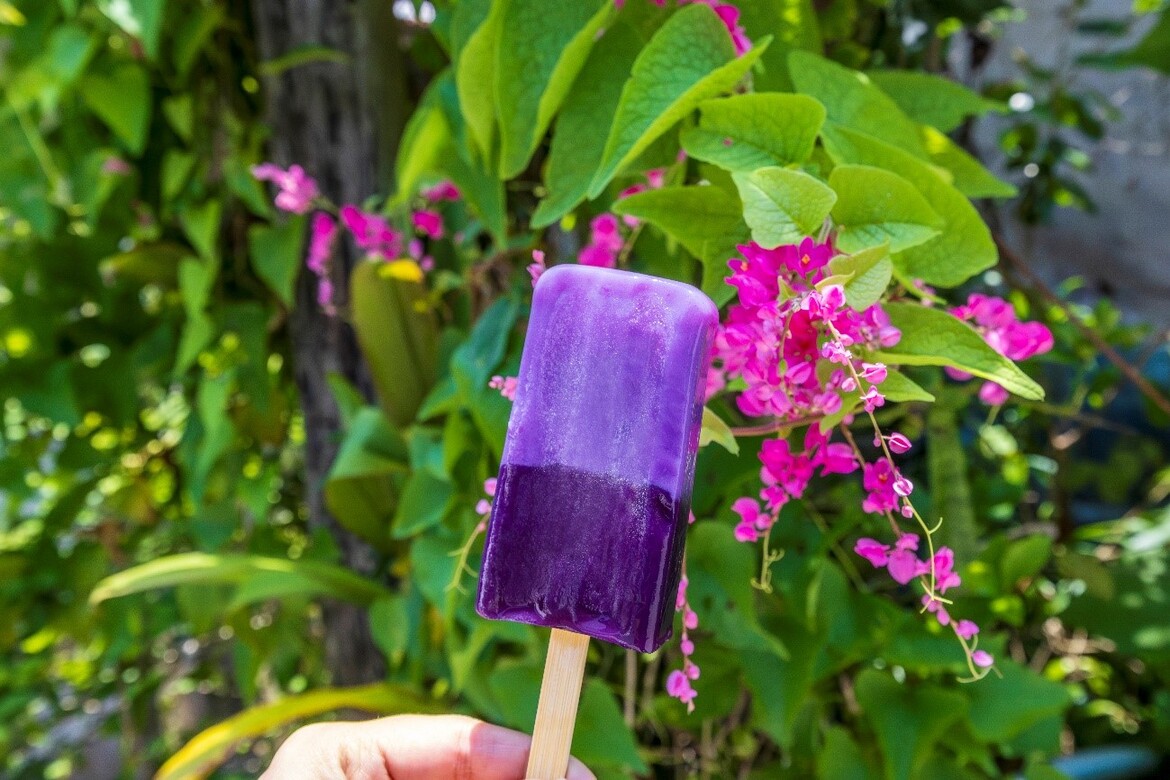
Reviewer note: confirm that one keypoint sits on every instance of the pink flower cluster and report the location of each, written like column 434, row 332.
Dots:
column 903, row 564
column 296, row 189
column 605, row 231
column 372, row 233
column 678, row 682
column 797, row 353
column 322, row 235
column 788, row 331
column 506, row 385
column 483, row 507
column 996, row 321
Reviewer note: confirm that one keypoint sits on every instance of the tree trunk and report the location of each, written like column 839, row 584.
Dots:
column 341, row 121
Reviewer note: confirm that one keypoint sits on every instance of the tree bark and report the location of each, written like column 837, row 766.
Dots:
column 341, row 121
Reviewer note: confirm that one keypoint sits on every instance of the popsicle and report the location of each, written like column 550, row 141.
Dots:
column 587, row 529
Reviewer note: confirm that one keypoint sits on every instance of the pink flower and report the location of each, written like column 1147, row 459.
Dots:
column 982, row 659
column 296, row 188
column 371, row 233
column 656, row 178
column 537, row 266
column 878, row 480
column 966, row 629
column 837, row 459
column 898, row 443
column 752, row 520
column 873, row 551
column 116, row 166
column 322, row 233
column 429, row 223
column 489, row 486
column 938, row 609
column 483, row 507
column 872, row 398
column 506, row 385
column 903, row 566
column 681, row 600
column 678, row 685
column 993, row 394
column 784, row 469
column 597, row 255
column 444, row 190
column 874, row 373
column 325, row 294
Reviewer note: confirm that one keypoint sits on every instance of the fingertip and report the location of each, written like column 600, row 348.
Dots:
column 578, row 771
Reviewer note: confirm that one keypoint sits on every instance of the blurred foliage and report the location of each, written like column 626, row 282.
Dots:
column 158, row 572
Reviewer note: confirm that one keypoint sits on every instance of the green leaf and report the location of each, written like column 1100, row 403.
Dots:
column 716, row 430
column 360, row 490
column 1152, row 51
column 720, row 571
column 704, row 219
column 794, row 25
column 122, row 100
column 425, row 501
column 190, row 39
column 841, row 758
column 1004, row 706
column 931, row 337
column 746, row 132
column 201, row 225
column 474, row 361
column 543, row 47
column 601, row 737
column 865, row 275
column 950, row 487
column 141, row 19
column 688, row 60
column 933, row 100
column 390, row 627
column 577, row 145
column 475, row 81
column 276, row 255
column 909, row 719
column 967, row 174
column 875, row 206
column 211, row 747
column 349, row 399
column 196, row 279
column 397, row 333
column 963, row 249
column 1024, row 559
column 202, row 568
column 853, row 101
column 898, row 388
column 782, row 206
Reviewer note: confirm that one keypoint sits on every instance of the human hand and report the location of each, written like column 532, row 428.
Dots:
column 407, row 747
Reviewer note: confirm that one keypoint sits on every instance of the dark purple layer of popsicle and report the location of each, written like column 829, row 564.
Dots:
column 594, row 488
column 584, row 552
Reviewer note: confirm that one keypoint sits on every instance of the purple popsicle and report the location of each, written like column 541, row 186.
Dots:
column 594, row 489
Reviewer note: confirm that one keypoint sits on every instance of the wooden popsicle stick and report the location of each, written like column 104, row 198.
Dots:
column 556, row 714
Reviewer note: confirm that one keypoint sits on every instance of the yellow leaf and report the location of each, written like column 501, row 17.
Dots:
column 9, row 14
column 208, row 749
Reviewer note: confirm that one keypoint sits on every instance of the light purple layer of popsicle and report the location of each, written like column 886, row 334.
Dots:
column 611, row 376
column 587, row 529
